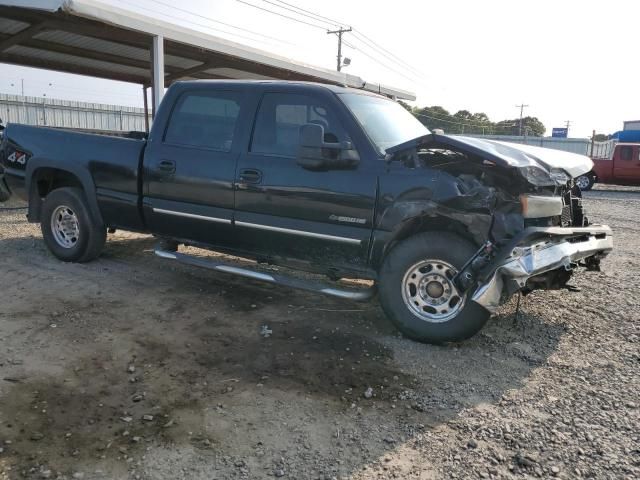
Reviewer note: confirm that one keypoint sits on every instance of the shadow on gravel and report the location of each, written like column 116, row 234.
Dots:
column 208, row 380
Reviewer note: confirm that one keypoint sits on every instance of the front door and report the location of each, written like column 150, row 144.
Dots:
column 626, row 165
column 190, row 169
column 282, row 210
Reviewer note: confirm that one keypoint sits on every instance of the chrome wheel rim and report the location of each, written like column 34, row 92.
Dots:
column 582, row 181
column 65, row 227
column 429, row 292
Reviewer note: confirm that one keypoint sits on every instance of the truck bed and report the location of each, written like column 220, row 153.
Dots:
column 108, row 168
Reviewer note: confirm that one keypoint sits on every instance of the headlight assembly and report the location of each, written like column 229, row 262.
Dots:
column 559, row 176
column 537, row 176
column 540, row 177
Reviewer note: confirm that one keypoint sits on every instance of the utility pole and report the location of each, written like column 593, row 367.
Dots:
column 339, row 32
column 521, row 107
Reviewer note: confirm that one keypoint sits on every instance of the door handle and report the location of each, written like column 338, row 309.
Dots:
column 168, row 166
column 250, row 175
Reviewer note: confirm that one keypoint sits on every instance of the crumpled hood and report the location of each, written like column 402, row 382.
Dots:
column 508, row 154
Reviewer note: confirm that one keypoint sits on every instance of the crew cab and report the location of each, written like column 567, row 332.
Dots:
column 621, row 168
column 325, row 179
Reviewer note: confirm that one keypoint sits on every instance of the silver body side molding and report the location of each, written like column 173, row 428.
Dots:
column 191, row 215
column 302, row 233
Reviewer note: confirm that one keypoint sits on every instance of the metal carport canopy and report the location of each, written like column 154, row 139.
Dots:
column 92, row 38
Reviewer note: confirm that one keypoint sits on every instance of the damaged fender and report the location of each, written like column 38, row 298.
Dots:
column 460, row 204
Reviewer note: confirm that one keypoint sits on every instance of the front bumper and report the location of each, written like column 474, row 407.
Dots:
column 537, row 250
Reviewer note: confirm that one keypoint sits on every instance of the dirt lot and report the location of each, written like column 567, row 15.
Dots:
column 131, row 367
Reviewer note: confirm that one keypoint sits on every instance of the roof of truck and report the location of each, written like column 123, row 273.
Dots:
column 311, row 85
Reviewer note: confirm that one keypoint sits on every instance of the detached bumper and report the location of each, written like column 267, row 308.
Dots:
column 536, row 251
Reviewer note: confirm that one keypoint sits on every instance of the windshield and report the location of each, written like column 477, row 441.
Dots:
column 387, row 123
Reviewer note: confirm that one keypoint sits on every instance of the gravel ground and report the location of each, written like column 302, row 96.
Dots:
column 130, row 367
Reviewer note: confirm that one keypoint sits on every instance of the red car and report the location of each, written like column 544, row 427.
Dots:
column 623, row 168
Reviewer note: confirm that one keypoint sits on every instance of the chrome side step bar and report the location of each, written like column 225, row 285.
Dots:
column 359, row 295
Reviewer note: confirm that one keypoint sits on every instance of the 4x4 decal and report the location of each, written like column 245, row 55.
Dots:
column 17, row 157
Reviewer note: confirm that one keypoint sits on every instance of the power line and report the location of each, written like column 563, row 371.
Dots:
column 391, row 69
column 479, row 123
column 329, row 20
column 370, row 43
column 217, row 21
column 383, row 51
column 360, row 36
column 410, row 75
column 314, row 17
column 308, row 13
column 486, row 125
column 208, row 27
column 281, row 15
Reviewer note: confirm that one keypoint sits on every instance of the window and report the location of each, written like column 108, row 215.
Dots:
column 205, row 120
column 387, row 123
column 626, row 153
column 279, row 120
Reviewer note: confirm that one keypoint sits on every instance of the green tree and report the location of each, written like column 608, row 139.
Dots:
column 467, row 122
column 434, row 117
column 530, row 125
column 406, row 105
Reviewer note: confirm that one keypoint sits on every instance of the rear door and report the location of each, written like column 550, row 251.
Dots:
column 190, row 167
column 626, row 165
column 283, row 210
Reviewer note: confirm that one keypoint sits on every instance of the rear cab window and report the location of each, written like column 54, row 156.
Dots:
column 204, row 119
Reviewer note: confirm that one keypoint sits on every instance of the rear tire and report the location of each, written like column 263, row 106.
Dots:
column 68, row 229
column 585, row 182
column 5, row 194
column 416, row 292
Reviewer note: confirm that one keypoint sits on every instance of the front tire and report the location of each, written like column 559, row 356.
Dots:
column 585, row 182
column 68, row 229
column 417, row 294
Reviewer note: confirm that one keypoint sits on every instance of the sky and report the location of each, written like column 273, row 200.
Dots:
column 568, row 60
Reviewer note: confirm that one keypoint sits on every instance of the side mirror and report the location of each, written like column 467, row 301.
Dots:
column 316, row 154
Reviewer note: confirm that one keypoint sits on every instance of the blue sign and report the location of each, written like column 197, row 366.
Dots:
column 559, row 132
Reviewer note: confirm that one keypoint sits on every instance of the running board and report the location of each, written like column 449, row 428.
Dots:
column 360, row 295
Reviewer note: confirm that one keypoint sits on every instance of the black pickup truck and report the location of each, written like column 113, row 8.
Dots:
column 324, row 179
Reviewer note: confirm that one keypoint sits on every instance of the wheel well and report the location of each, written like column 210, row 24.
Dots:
column 44, row 181
column 430, row 224
column 433, row 224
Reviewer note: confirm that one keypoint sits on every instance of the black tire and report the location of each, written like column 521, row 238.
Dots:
column 5, row 194
column 585, row 182
column 90, row 237
column 402, row 260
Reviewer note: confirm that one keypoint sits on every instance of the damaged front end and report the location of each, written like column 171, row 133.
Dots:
column 519, row 204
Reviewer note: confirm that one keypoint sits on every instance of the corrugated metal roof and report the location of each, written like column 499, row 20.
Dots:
column 11, row 26
column 89, row 43
column 47, row 5
column 94, row 38
column 71, row 60
column 234, row 73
